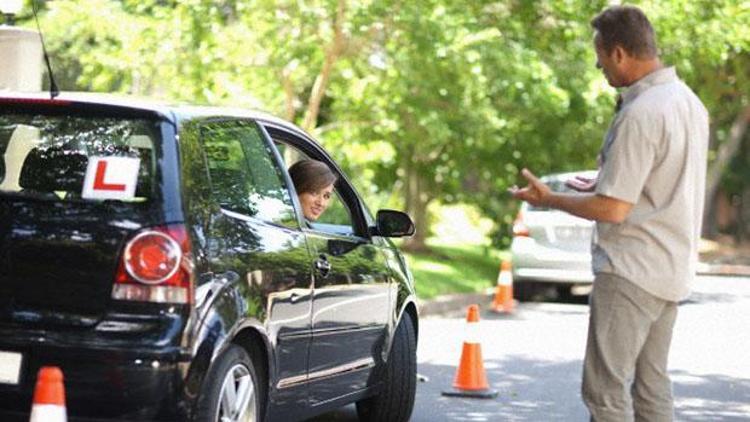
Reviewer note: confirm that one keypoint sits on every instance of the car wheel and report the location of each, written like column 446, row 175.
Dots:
column 395, row 401
column 231, row 391
column 526, row 291
column 564, row 292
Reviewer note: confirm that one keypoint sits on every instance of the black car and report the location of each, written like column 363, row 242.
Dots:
column 159, row 257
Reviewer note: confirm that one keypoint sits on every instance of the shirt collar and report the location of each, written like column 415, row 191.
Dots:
column 657, row 77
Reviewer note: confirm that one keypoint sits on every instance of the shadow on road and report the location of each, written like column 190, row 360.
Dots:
column 535, row 390
column 528, row 389
column 711, row 297
column 344, row 414
column 534, row 359
column 710, row 397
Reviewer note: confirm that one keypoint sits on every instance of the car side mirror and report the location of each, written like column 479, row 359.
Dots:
column 391, row 223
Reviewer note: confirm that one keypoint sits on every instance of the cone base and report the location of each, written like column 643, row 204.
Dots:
column 474, row 394
column 48, row 413
column 501, row 310
column 504, row 308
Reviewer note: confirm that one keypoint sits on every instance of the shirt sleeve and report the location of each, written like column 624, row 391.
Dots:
column 627, row 161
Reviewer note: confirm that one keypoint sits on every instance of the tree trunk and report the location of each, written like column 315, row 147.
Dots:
column 333, row 52
column 416, row 207
column 724, row 155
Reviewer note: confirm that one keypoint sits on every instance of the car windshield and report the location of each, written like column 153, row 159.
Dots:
column 77, row 158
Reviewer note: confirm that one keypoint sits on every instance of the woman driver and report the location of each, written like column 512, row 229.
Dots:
column 314, row 182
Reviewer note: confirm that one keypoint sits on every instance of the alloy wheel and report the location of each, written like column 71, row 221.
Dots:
column 237, row 398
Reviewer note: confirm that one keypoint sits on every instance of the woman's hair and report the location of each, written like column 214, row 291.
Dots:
column 311, row 176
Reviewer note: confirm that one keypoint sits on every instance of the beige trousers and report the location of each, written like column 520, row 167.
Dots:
column 625, row 369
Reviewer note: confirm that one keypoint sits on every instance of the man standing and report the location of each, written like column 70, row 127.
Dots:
column 647, row 201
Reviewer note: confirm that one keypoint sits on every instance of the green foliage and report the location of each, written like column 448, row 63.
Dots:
column 709, row 42
column 454, row 269
column 426, row 100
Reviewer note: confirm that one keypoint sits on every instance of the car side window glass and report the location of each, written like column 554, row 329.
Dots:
column 337, row 213
column 338, row 216
column 244, row 177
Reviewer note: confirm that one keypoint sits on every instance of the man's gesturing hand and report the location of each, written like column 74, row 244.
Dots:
column 535, row 193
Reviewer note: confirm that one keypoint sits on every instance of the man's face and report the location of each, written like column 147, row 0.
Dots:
column 610, row 63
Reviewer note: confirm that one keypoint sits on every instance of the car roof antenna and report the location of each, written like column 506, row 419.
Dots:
column 53, row 90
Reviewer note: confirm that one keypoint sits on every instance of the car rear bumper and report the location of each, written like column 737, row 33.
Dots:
column 547, row 275
column 534, row 262
column 112, row 384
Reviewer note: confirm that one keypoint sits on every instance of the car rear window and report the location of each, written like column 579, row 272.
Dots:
column 77, row 158
column 555, row 185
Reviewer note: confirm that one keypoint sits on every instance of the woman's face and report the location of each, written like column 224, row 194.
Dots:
column 315, row 203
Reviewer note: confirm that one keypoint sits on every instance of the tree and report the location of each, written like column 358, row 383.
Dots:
column 464, row 96
column 424, row 101
column 709, row 43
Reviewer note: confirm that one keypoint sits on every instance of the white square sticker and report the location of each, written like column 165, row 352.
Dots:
column 10, row 367
column 111, row 178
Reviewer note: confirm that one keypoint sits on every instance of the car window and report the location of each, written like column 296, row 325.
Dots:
column 77, row 158
column 244, row 176
column 556, row 185
column 337, row 212
column 338, row 216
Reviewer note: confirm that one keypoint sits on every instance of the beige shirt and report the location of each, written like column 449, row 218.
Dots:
column 654, row 156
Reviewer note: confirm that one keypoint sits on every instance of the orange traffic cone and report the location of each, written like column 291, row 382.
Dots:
column 503, row 301
column 471, row 380
column 49, row 396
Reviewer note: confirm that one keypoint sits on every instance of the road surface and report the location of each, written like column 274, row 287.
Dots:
column 534, row 357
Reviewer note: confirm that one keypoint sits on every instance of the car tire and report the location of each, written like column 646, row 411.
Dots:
column 526, row 291
column 231, row 390
column 564, row 292
column 395, row 401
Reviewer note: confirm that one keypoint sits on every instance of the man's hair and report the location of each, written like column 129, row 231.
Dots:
column 628, row 27
column 311, row 176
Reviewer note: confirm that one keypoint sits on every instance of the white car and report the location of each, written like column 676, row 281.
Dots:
column 551, row 248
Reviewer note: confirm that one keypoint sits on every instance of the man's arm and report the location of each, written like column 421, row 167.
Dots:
column 590, row 206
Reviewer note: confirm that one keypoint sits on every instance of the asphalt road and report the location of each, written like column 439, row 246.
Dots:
column 533, row 358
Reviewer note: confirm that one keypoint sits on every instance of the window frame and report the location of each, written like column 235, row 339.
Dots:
column 337, row 198
column 274, row 157
column 347, row 193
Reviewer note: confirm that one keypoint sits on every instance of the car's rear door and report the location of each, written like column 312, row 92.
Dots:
column 255, row 245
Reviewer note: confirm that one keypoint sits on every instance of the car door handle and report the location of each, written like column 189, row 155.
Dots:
column 323, row 266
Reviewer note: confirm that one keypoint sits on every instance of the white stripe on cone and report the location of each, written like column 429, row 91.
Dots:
column 471, row 334
column 505, row 278
column 48, row 413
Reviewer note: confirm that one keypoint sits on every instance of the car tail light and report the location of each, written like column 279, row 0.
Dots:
column 156, row 266
column 519, row 228
column 33, row 101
